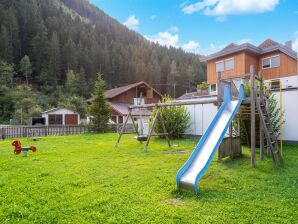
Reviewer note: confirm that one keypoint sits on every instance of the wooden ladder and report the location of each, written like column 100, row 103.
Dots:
column 268, row 129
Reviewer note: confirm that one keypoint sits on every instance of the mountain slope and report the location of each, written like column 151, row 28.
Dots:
column 63, row 35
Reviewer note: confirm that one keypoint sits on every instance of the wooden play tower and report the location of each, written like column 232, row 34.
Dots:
column 253, row 115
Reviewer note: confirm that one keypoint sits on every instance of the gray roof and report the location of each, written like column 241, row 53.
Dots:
column 122, row 108
column 54, row 109
column 266, row 47
column 117, row 91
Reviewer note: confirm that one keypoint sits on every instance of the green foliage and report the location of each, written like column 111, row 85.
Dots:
column 7, row 73
column 26, row 104
column 176, row 119
column 202, row 86
column 74, row 103
column 274, row 112
column 99, row 109
column 7, row 104
column 26, row 68
column 83, row 179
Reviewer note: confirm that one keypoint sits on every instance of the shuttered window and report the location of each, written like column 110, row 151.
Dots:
column 229, row 64
column 271, row 62
column 220, row 66
column 275, row 61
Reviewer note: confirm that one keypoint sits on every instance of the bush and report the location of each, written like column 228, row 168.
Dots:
column 202, row 86
column 274, row 113
column 176, row 119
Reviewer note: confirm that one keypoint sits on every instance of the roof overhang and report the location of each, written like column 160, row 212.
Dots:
column 252, row 49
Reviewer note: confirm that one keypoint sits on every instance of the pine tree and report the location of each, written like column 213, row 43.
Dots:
column 7, row 73
column 26, row 68
column 99, row 109
column 55, row 59
column 6, row 50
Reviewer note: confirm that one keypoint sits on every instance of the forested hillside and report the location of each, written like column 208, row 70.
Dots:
column 51, row 51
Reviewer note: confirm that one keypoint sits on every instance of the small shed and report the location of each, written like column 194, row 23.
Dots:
column 61, row 116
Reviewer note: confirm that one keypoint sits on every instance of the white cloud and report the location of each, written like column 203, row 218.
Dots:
column 242, row 41
column 173, row 29
column 165, row 38
column 153, row 17
column 222, row 8
column 191, row 46
column 221, row 18
column 295, row 43
column 183, row 3
column 132, row 22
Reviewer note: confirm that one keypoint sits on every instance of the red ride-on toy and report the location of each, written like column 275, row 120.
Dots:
column 18, row 148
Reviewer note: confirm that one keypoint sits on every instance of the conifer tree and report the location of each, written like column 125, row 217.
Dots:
column 26, row 68
column 99, row 109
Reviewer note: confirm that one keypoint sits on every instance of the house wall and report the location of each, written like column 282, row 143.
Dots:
column 128, row 97
column 290, row 107
column 288, row 66
column 239, row 67
column 201, row 116
column 243, row 60
column 60, row 111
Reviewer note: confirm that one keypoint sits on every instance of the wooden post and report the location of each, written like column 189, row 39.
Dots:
column 261, row 129
column 164, row 130
column 152, row 128
column 231, row 139
column 123, row 128
column 239, row 133
column 253, row 116
column 219, row 90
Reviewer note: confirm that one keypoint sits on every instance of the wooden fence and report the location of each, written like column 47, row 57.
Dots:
column 36, row 131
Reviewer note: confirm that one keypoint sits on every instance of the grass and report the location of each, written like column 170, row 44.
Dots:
column 83, row 179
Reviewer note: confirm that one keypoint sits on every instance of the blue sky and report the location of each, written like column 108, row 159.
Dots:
column 206, row 26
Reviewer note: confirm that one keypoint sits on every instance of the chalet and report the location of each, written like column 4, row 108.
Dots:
column 134, row 94
column 278, row 64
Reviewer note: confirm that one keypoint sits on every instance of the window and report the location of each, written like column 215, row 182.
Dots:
column 275, row 84
column 55, row 119
column 271, row 62
column 229, row 64
column 275, row 62
column 213, row 88
column 220, row 67
column 225, row 65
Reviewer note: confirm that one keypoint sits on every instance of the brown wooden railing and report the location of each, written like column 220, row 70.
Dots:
column 36, row 131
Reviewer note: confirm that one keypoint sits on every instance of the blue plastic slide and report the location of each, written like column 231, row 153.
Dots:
column 197, row 164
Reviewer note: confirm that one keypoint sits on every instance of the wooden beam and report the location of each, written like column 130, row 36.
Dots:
column 176, row 103
column 253, row 116
column 123, row 127
column 261, row 128
column 151, row 129
column 164, row 129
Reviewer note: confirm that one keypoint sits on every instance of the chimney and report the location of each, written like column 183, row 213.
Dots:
column 289, row 44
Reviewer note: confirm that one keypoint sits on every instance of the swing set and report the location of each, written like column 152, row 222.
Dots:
column 146, row 138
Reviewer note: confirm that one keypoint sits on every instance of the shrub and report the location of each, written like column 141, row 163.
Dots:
column 176, row 119
column 274, row 112
column 202, row 86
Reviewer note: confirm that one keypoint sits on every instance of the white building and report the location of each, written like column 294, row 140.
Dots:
column 61, row 116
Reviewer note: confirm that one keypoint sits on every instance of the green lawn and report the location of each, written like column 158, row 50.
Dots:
column 83, row 179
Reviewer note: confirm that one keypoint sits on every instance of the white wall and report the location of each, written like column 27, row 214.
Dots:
column 290, row 106
column 60, row 111
column 201, row 116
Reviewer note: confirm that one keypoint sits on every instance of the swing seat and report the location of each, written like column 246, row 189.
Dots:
column 142, row 138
